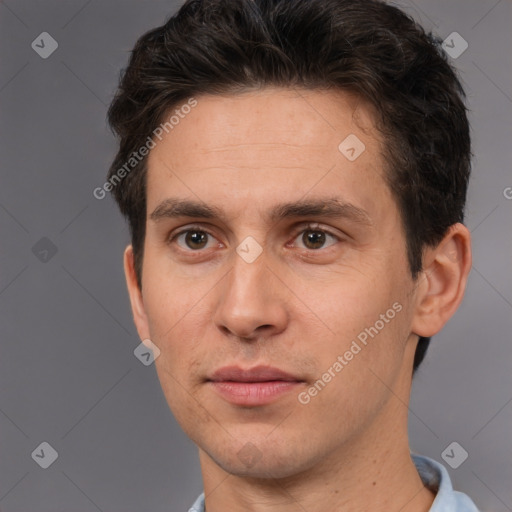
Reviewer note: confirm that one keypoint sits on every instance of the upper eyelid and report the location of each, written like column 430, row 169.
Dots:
column 314, row 225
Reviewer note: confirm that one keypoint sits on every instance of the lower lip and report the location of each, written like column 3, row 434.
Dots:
column 253, row 393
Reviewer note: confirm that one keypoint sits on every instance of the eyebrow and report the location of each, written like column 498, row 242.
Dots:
column 331, row 207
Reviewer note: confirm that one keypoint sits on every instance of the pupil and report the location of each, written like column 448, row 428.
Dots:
column 315, row 238
column 196, row 238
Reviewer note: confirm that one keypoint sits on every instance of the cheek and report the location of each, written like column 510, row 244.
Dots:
column 175, row 324
column 366, row 323
column 357, row 368
column 169, row 297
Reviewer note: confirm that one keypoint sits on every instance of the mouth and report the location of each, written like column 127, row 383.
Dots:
column 260, row 385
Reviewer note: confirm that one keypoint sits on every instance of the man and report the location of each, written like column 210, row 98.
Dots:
column 294, row 174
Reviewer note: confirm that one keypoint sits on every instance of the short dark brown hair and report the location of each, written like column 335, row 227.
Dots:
column 367, row 47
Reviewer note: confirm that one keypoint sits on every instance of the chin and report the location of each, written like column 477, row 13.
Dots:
column 269, row 459
column 266, row 467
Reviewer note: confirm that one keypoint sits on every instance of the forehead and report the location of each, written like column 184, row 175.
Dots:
column 295, row 118
column 264, row 143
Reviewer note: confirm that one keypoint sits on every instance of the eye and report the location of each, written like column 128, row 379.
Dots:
column 314, row 238
column 193, row 239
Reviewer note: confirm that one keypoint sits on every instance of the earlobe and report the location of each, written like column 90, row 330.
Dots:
column 441, row 286
column 138, row 310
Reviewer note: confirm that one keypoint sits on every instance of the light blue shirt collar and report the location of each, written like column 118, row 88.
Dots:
column 435, row 477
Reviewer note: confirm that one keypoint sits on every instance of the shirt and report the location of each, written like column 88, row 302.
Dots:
column 433, row 475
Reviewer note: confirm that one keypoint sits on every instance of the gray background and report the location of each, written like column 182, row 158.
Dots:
column 68, row 375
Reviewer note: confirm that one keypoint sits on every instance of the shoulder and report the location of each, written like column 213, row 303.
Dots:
column 198, row 505
column 436, row 478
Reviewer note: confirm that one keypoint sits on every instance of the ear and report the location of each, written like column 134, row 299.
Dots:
column 139, row 313
column 442, row 283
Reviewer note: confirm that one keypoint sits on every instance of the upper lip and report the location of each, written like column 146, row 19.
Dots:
column 256, row 374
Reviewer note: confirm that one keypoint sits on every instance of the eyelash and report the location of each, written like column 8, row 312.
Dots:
column 298, row 231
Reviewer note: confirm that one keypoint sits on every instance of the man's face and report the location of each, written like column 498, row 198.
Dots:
column 320, row 283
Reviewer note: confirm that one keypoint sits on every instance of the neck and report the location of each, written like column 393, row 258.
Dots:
column 352, row 480
column 373, row 471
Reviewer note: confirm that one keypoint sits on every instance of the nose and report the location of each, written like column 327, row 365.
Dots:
column 251, row 300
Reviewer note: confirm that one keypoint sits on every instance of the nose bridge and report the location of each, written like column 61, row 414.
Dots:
column 245, row 278
column 249, row 272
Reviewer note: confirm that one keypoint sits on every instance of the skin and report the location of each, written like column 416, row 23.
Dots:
column 296, row 307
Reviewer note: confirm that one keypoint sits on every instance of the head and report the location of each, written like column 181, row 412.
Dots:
column 262, row 94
